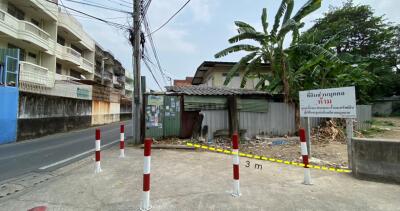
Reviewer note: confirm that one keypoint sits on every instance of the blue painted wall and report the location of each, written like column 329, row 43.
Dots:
column 8, row 114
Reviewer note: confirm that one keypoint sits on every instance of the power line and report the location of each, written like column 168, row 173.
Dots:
column 144, row 10
column 152, row 74
column 183, row 6
column 122, row 4
column 153, row 48
column 117, row 25
column 100, row 6
column 155, row 66
column 126, row 2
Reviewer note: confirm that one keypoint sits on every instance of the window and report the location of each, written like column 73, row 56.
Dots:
column 75, row 74
column 58, row 68
column 21, row 51
column 60, row 40
column 14, row 11
column 35, row 22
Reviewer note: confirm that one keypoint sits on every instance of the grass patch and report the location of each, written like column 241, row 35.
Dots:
column 372, row 131
column 382, row 123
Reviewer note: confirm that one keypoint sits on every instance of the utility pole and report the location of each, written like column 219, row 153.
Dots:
column 137, row 99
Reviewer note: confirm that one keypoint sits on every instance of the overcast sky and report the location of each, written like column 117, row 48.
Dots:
column 198, row 31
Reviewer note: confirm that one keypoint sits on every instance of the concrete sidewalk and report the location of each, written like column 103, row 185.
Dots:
column 188, row 180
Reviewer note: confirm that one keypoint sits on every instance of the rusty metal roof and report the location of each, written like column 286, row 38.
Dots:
column 204, row 90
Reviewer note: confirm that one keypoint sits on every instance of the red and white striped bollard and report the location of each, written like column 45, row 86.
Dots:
column 236, row 162
column 97, row 153
column 304, row 154
column 122, row 142
column 146, row 175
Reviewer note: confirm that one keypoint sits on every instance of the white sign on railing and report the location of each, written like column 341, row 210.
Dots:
column 334, row 103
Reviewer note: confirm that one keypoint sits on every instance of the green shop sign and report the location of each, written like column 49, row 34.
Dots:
column 82, row 93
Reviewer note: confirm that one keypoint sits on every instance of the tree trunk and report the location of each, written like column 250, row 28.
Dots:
column 297, row 116
column 285, row 82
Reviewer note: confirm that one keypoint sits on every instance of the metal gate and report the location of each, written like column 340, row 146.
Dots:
column 163, row 116
column 172, row 114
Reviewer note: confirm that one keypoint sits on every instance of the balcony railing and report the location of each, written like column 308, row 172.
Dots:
column 59, row 77
column 128, row 87
column 36, row 74
column 24, row 30
column 73, row 52
column 36, row 30
column 87, row 65
column 108, row 76
column 69, row 54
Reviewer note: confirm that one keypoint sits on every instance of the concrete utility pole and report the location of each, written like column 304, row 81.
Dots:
column 137, row 99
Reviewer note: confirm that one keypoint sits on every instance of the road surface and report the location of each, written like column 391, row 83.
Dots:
column 54, row 151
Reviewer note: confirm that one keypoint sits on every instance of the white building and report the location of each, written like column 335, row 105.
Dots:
column 54, row 48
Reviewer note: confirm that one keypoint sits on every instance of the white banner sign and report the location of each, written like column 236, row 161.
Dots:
column 334, row 103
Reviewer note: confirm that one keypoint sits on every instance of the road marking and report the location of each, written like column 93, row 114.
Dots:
column 74, row 157
column 270, row 159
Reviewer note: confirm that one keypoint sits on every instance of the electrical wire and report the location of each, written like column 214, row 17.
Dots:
column 100, row 6
column 153, row 48
column 125, row 1
column 116, row 25
column 152, row 74
column 122, row 4
column 164, row 24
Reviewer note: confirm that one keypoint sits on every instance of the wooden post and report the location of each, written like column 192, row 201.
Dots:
column 349, row 136
column 233, row 115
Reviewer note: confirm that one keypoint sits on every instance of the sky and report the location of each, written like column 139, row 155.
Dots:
column 199, row 31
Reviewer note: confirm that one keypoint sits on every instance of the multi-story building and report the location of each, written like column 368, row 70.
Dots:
column 129, row 84
column 61, row 67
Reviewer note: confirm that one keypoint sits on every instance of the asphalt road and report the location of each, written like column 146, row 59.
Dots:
column 54, row 151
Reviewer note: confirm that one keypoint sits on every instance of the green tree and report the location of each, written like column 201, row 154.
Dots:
column 363, row 39
column 270, row 47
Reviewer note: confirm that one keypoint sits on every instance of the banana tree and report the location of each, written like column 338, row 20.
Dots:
column 270, row 48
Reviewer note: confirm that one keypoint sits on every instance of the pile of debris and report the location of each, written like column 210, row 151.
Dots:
column 329, row 131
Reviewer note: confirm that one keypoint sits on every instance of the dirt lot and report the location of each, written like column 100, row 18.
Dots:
column 384, row 127
column 328, row 147
column 333, row 154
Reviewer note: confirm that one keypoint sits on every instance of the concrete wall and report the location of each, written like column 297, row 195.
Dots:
column 383, row 108
column 41, row 115
column 376, row 159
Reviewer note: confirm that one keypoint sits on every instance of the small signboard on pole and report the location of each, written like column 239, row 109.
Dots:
column 334, row 103
column 330, row 103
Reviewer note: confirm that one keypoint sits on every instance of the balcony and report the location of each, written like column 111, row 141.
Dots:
column 87, row 65
column 108, row 76
column 36, row 74
column 59, row 77
column 24, row 30
column 129, row 87
column 48, row 8
column 68, row 54
column 75, row 31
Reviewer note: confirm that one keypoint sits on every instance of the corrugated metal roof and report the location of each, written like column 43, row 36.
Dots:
column 204, row 90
